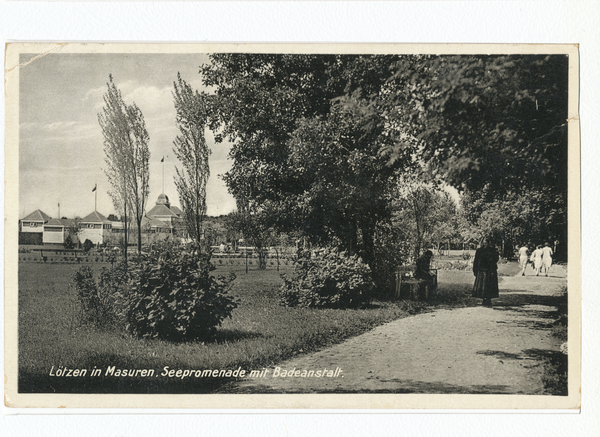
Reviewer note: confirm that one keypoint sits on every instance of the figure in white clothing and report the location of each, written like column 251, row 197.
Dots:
column 547, row 258
column 523, row 258
column 536, row 257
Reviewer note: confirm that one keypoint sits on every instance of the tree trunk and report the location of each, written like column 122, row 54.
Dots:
column 262, row 258
column 368, row 237
column 139, row 224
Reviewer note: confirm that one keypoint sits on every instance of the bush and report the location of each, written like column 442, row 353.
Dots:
column 69, row 244
column 174, row 297
column 87, row 245
column 327, row 278
column 111, row 257
column 391, row 250
column 102, row 301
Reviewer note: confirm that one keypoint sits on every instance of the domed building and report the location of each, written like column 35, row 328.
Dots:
column 164, row 212
column 161, row 222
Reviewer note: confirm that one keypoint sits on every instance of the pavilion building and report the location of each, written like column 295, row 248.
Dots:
column 31, row 227
column 96, row 228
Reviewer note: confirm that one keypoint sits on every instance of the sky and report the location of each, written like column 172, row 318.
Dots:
column 61, row 153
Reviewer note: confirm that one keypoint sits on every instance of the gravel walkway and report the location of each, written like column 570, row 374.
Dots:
column 466, row 350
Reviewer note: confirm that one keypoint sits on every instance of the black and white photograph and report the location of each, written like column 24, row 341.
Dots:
column 217, row 221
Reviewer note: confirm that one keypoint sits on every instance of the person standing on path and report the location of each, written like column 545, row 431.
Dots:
column 523, row 258
column 485, row 269
column 536, row 257
column 547, row 257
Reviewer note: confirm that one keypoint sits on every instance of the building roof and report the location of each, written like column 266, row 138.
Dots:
column 177, row 211
column 38, row 216
column 161, row 210
column 70, row 222
column 54, row 222
column 154, row 223
column 163, row 200
column 95, row 217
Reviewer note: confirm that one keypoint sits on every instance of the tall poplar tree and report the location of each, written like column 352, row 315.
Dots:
column 127, row 156
column 191, row 150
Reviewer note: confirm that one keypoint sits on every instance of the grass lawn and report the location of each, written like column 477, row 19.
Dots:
column 260, row 333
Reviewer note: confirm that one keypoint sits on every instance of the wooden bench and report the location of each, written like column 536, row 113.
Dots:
column 409, row 287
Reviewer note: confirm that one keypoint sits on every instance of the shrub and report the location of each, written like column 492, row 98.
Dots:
column 327, row 278
column 102, row 301
column 174, row 297
column 87, row 245
column 111, row 257
column 69, row 244
column 390, row 251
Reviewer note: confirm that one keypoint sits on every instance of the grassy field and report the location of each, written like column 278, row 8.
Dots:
column 260, row 333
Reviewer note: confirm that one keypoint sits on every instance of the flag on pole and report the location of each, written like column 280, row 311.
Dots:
column 163, row 159
column 95, row 186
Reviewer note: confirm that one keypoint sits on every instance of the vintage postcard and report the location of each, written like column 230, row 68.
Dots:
column 304, row 226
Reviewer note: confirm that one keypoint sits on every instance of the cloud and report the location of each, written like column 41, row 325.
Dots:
column 59, row 147
column 60, row 161
column 152, row 100
column 59, row 128
column 95, row 96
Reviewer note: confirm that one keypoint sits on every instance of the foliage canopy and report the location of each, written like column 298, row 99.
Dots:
column 318, row 139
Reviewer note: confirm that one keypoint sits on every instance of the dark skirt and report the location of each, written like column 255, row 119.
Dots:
column 486, row 284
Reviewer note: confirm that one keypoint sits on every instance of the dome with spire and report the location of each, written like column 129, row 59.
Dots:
column 163, row 200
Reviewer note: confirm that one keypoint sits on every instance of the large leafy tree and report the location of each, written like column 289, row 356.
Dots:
column 423, row 213
column 127, row 156
column 256, row 228
column 495, row 126
column 192, row 151
column 306, row 138
column 484, row 120
column 257, row 103
column 514, row 218
column 312, row 134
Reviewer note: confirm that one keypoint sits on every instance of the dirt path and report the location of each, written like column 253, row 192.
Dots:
column 466, row 350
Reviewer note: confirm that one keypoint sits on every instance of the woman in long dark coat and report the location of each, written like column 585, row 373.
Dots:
column 485, row 269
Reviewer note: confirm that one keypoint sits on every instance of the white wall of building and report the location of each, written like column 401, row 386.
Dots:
column 54, row 235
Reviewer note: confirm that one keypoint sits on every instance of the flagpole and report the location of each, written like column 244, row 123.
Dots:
column 163, row 178
column 95, row 191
